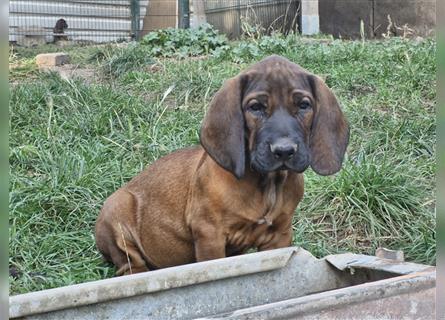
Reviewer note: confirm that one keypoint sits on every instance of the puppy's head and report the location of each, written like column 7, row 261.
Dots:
column 60, row 26
column 275, row 116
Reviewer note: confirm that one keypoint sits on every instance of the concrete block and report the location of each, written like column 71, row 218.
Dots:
column 310, row 23
column 198, row 15
column 309, row 7
column 51, row 59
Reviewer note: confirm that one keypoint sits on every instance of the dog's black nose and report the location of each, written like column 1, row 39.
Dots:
column 283, row 150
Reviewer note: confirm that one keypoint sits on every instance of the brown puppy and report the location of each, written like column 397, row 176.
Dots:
column 239, row 189
column 59, row 30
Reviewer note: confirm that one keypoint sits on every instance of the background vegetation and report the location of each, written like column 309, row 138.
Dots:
column 74, row 141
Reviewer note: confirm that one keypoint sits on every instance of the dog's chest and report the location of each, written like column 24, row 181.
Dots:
column 248, row 236
column 257, row 225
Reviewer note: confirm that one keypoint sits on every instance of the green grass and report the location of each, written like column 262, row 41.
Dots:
column 72, row 144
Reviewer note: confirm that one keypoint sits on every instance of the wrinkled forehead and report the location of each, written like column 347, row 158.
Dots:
column 276, row 76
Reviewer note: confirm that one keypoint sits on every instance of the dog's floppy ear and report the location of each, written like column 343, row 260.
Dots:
column 222, row 131
column 330, row 131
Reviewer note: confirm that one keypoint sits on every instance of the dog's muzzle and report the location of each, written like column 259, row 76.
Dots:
column 283, row 149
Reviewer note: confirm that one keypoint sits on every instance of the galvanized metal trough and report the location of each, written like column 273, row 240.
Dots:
column 286, row 283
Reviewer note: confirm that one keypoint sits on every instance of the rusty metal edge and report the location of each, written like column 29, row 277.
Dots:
column 350, row 261
column 147, row 282
column 293, row 308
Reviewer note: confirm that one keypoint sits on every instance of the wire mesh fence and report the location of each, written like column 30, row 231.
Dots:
column 34, row 22
column 235, row 17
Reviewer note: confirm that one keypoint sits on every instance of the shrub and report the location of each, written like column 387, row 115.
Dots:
column 184, row 42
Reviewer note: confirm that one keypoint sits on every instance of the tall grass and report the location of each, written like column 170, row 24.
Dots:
column 72, row 144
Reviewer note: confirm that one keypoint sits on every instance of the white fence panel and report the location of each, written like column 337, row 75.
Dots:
column 89, row 20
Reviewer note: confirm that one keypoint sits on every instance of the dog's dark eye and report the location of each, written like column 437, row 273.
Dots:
column 305, row 105
column 257, row 107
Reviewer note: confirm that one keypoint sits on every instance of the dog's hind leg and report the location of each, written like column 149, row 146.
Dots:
column 117, row 246
column 114, row 236
column 129, row 260
column 127, row 256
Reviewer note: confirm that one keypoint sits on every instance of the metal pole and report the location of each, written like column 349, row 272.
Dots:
column 239, row 18
column 372, row 19
column 184, row 14
column 135, row 19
